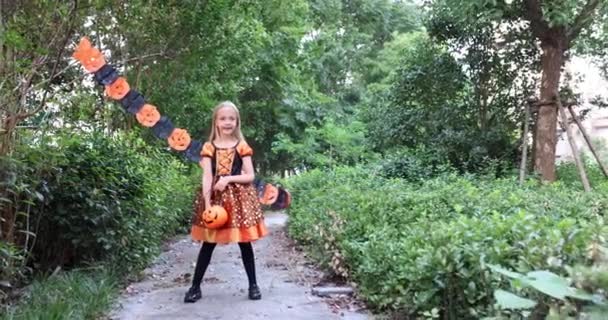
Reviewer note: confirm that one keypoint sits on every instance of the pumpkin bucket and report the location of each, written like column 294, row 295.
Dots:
column 215, row 217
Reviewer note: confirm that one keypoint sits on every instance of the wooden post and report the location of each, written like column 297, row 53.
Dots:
column 588, row 140
column 524, row 146
column 577, row 159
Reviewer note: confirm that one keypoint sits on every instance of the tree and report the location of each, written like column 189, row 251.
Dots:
column 556, row 29
column 555, row 26
column 32, row 59
column 186, row 57
column 346, row 35
column 430, row 103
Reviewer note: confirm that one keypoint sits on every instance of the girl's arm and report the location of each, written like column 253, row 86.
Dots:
column 207, row 181
column 247, row 175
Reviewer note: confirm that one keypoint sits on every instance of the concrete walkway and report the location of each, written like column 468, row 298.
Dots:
column 285, row 279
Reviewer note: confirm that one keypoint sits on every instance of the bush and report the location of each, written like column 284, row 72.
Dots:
column 414, row 165
column 421, row 249
column 567, row 173
column 92, row 198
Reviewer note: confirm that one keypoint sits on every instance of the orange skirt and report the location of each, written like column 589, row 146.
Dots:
column 245, row 216
column 228, row 235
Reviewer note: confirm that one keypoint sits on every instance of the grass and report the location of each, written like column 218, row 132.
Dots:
column 70, row 295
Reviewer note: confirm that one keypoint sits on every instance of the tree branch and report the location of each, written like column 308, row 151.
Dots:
column 53, row 74
column 59, row 56
column 150, row 55
column 73, row 64
column 38, row 62
column 583, row 19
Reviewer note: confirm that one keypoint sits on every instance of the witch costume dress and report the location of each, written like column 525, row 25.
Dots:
column 245, row 217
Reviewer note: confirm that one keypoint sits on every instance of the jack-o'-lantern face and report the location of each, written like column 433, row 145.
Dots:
column 89, row 56
column 118, row 89
column 148, row 115
column 215, row 217
column 179, row 139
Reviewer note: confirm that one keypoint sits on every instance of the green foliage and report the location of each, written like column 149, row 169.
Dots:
column 415, row 165
column 220, row 50
column 499, row 42
column 339, row 56
column 347, row 34
column 413, row 248
column 554, row 286
column 500, row 61
column 561, row 13
column 98, row 198
column 568, row 174
column 431, row 105
column 73, row 295
column 508, row 300
column 331, row 144
column 12, row 267
column 114, row 199
column 401, row 120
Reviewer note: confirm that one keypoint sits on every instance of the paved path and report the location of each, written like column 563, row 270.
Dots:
column 284, row 278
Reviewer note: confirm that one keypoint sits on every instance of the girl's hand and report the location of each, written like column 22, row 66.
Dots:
column 221, row 184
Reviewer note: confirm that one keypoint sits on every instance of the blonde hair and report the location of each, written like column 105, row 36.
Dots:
column 237, row 131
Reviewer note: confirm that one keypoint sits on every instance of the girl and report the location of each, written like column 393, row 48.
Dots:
column 227, row 181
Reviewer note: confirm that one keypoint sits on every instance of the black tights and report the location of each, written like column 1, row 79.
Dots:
column 204, row 257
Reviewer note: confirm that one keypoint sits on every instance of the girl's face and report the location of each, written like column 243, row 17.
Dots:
column 226, row 121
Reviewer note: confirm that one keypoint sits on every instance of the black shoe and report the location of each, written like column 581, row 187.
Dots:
column 254, row 292
column 193, row 294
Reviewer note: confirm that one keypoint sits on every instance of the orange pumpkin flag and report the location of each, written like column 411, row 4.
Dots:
column 179, row 139
column 90, row 57
column 148, row 115
column 118, row 89
column 215, row 217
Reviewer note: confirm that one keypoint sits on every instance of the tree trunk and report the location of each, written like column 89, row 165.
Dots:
column 546, row 137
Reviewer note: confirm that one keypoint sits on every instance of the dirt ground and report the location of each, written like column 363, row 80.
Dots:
column 283, row 274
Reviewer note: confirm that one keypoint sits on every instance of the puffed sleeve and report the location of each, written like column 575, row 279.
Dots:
column 244, row 149
column 207, row 150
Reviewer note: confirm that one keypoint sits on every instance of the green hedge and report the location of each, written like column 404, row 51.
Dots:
column 91, row 199
column 412, row 247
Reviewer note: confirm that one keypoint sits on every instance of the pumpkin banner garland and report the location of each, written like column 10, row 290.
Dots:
column 117, row 88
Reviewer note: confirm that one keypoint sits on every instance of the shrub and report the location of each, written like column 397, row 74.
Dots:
column 422, row 249
column 91, row 198
column 413, row 164
column 568, row 174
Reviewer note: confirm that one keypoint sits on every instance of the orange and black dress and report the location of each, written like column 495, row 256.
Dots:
column 245, row 216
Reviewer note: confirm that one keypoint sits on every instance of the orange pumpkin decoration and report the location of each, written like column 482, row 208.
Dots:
column 118, row 89
column 90, row 57
column 148, row 115
column 215, row 217
column 179, row 139
column 270, row 194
